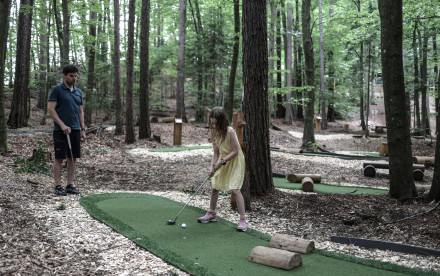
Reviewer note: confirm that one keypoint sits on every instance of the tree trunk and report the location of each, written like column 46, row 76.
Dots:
column 289, row 115
column 63, row 32
column 234, row 62
column 297, row 108
column 42, row 58
column 279, row 100
column 308, row 135
column 129, row 125
column 89, row 97
column 417, row 123
column 436, row 83
column 423, row 86
column 271, row 53
column 399, row 141
column 322, row 72
column 19, row 106
column 117, row 73
column 5, row 6
column 144, row 116
column 180, row 95
column 256, row 105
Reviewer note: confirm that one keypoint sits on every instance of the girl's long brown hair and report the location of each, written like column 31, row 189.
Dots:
column 221, row 128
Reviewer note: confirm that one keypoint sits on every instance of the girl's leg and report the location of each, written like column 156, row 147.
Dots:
column 214, row 198
column 240, row 202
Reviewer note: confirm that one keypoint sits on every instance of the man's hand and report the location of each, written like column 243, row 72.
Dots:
column 66, row 130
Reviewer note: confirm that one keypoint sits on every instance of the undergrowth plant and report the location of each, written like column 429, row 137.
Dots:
column 37, row 164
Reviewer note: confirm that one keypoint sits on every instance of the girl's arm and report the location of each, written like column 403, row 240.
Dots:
column 215, row 157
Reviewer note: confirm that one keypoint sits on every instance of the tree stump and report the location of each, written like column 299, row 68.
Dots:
column 370, row 171
column 275, row 257
column 383, row 149
column 290, row 243
column 297, row 178
column 307, row 184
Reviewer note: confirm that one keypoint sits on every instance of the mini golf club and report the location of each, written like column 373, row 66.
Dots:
column 171, row 222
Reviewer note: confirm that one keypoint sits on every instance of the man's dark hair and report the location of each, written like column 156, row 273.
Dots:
column 70, row 69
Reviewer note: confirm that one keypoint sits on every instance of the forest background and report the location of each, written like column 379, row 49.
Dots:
column 191, row 51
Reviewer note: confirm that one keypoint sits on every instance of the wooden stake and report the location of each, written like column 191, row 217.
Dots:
column 383, row 149
column 275, row 257
column 290, row 243
column 177, row 139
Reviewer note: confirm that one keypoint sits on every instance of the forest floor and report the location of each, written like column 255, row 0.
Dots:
column 41, row 233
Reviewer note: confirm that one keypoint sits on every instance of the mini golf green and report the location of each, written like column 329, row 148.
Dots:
column 329, row 189
column 213, row 248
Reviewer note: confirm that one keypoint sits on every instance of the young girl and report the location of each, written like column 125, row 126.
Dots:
column 227, row 166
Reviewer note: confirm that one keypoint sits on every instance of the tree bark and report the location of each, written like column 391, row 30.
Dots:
column 42, row 58
column 279, row 99
column 399, row 141
column 271, row 53
column 256, row 105
column 308, row 135
column 234, row 62
column 322, row 72
column 18, row 115
column 289, row 114
column 144, row 114
column 117, row 73
column 89, row 97
column 423, row 86
column 129, row 125
column 180, row 95
column 5, row 6
column 417, row 123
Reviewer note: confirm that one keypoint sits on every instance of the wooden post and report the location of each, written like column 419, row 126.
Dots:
column 238, row 125
column 290, row 243
column 346, row 127
column 177, row 130
column 384, row 149
column 275, row 257
column 318, row 123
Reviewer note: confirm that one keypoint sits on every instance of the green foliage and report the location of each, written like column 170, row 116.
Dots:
column 37, row 165
column 96, row 152
column 61, row 207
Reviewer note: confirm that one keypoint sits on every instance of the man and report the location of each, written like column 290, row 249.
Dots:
column 66, row 109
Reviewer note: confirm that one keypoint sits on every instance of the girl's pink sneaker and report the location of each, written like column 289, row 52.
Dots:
column 209, row 217
column 243, row 225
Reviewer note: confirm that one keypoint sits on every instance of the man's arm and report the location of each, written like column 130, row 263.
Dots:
column 52, row 112
column 81, row 121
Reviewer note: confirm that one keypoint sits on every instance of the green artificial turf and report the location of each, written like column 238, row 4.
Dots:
column 213, row 248
column 176, row 149
column 327, row 188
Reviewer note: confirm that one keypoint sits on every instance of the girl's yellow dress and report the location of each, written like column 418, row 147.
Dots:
column 231, row 175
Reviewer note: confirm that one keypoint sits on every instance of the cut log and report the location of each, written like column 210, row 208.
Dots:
column 275, row 257
column 423, row 159
column 168, row 120
column 369, row 171
column 154, row 119
column 297, row 178
column 156, row 137
column 380, row 129
column 383, row 149
column 418, row 175
column 290, row 243
column 386, row 165
column 307, row 184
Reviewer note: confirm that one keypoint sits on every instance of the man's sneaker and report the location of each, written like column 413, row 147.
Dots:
column 243, row 225
column 71, row 190
column 209, row 217
column 60, row 191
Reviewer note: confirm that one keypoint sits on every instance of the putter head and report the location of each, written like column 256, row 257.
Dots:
column 171, row 222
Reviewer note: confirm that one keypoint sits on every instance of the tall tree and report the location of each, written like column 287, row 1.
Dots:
column 5, row 6
column 234, row 62
column 417, row 123
column 144, row 115
column 322, row 73
column 42, row 56
column 63, row 30
column 255, row 104
column 19, row 108
column 279, row 100
column 309, row 134
column 129, row 125
column 424, row 82
column 117, row 70
column 399, row 140
column 289, row 114
column 91, row 66
column 180, row 101
column 361, row 74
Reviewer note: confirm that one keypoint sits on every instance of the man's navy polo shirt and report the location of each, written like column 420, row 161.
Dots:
column 68, row 105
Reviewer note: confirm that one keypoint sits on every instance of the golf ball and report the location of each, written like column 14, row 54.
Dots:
column 183, row 225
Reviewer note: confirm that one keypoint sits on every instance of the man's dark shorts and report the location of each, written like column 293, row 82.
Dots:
column 61, row 146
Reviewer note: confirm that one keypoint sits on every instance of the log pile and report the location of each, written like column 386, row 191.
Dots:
column 307, row 180
column 283, row 252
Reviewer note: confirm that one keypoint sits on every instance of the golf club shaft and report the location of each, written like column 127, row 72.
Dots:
column 198, row 189
column 70, row 148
